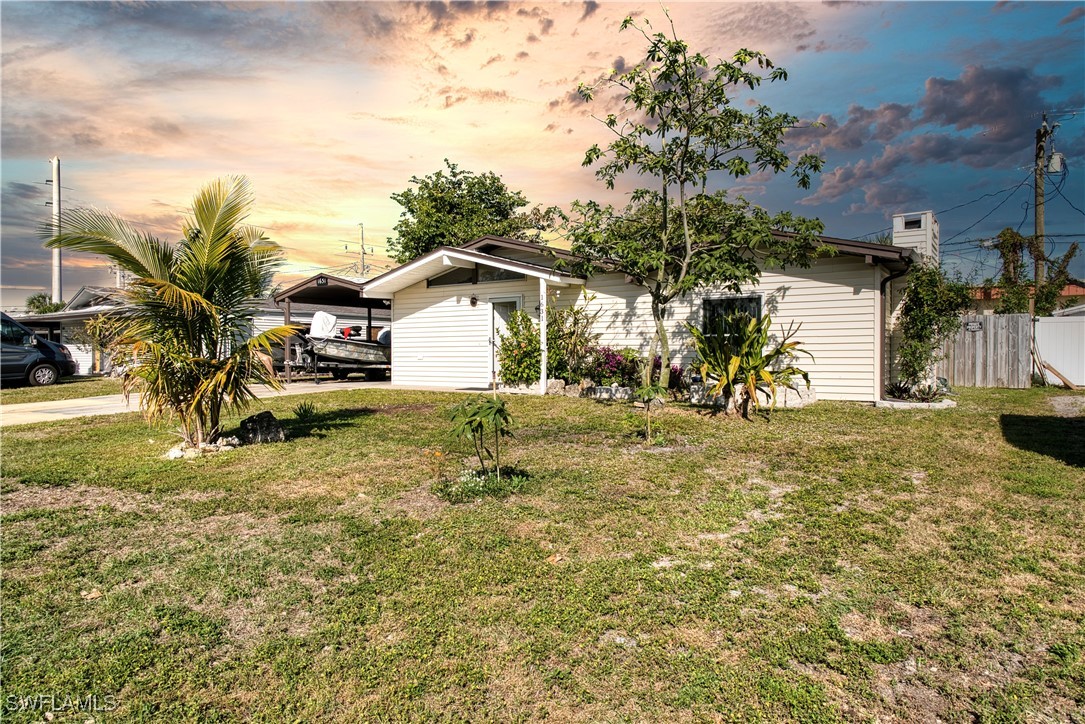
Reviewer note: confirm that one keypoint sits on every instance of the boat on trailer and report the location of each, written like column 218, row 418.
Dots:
column 341, row 351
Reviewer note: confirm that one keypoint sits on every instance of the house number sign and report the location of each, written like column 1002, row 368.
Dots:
column 322, row 281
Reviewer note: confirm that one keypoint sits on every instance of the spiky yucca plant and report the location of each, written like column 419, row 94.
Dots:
column 737, row 359
column 187, row 317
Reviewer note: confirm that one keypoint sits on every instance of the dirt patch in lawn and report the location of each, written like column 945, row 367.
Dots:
column 404, row 409
column 417, row 504
column 30, row 497
column 1069, row 405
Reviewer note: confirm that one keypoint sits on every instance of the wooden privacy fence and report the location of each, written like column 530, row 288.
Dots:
column 990, row 350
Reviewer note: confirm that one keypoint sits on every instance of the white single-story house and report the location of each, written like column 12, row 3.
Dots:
column 449, row 307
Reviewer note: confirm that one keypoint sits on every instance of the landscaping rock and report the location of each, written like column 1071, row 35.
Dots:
column 262, row 427
column 572, row 390
column 555, row 387
column 609, row 393
column 910, row 405
column 786, row 398
column 190, row 452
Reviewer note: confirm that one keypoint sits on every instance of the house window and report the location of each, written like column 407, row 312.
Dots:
column 473, row 276
column 716, row 309
column 493, row 274
column 456, row 276
column 916, row 223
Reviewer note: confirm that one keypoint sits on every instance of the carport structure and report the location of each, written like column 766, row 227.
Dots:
column 336, row 295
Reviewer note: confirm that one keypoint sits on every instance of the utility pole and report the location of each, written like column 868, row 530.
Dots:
column 1042, row 134
column 363, row 268
column 362, row 271
column 58, row 291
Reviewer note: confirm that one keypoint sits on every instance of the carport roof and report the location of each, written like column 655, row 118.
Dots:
column 328, row 290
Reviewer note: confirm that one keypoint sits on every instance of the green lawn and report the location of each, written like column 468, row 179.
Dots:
column 837, row 563
column 66, row 388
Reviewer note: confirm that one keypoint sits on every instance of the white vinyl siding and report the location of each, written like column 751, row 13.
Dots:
column 440, row 340
column 835, row 301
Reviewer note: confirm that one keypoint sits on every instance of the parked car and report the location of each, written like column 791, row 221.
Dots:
column 30, row 358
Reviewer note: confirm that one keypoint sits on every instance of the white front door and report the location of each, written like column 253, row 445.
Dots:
column 502, row 309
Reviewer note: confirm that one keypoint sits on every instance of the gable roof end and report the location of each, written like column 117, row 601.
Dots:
column 445, row 258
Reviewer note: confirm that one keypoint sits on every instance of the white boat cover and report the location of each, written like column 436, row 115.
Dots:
column 323, row 325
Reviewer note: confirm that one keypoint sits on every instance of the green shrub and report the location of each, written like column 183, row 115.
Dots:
column 926, row 393
column 305, row 412
column 898, row 390
column 931, row 313
column 607, row 366
column 518, row 350
column 736, row 353
column 569, row 338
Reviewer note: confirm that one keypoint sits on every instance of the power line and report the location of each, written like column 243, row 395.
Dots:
column 967, row 203
column 1058, row 189
column 996, row 208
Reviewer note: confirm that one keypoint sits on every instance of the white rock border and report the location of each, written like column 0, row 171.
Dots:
column 906, row 405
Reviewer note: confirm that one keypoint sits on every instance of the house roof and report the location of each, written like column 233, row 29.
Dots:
column 446, row 258
column 322, row 287
column 487, row 243
column 1073, row 289
column 893, row 257
column 93, row 296
column 1077, row 311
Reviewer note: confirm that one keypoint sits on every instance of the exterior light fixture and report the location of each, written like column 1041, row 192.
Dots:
column 474, row 301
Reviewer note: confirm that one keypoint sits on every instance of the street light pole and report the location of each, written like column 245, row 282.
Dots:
column 58, row 291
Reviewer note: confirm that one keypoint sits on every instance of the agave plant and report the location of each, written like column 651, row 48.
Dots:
column 738, row 360
column 187, row 318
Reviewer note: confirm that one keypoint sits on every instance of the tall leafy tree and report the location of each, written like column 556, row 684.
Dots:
column 454, row 207
column 187, row 319
column 681, row 128
column 1016, row 287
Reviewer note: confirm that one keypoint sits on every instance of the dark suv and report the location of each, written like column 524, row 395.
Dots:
column 26, row 357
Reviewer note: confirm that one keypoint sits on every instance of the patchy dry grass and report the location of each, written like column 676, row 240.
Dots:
column 837, row 563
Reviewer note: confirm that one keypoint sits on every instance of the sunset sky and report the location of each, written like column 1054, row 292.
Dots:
column 330, row 108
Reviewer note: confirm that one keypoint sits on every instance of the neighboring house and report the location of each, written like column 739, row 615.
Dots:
column 341, row 298
column 986, row 298
column 449, row 307
column 1078, row 311
column 64, row 326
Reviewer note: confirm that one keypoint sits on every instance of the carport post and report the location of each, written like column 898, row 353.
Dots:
column 288, row 344
column 542, row 335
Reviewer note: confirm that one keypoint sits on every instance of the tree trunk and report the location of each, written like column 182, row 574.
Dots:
column 658, row 311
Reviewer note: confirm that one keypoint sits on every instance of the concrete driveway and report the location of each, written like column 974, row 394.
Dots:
column 30, row 412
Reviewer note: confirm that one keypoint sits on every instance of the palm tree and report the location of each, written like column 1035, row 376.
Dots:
column 187, row 321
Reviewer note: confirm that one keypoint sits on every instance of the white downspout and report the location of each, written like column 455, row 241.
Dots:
column 542, row 336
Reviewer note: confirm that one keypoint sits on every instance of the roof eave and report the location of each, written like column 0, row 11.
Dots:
column 425, row 267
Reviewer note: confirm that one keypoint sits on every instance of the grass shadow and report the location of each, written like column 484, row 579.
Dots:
column 318, row 424
column 1061, row 438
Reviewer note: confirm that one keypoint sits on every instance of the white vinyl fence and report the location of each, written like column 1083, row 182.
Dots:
column 1061, row 343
